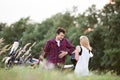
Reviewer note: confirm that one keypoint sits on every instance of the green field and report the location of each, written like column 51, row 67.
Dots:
column 28, row 73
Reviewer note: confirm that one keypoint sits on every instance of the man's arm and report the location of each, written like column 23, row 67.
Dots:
column 46, row 51
column 42, row 56
column 70, row 47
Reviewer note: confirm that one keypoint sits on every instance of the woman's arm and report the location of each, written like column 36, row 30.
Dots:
column 77, row 50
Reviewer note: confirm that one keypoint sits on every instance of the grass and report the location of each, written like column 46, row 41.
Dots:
column 28, row 73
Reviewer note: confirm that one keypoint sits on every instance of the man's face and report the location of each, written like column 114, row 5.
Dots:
column 60, row 36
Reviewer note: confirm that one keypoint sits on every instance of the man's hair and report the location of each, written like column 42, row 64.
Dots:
column 59, row 30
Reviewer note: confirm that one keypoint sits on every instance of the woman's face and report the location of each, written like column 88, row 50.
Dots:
column 81, row 41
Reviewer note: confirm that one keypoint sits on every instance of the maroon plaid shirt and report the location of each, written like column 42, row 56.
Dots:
column 52, row 50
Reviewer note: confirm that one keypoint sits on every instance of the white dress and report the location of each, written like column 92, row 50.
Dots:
column 83, row 62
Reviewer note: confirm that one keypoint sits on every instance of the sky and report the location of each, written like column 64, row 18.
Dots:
column 38, row 10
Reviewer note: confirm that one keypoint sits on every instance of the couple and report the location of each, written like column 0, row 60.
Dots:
column 56, row 50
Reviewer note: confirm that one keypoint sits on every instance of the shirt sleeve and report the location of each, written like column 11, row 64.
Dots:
column 70, row 47
column 46, row 49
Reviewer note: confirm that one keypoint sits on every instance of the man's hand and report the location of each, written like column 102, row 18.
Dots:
column 41, row 58
column 62, row 54
column 37, row 63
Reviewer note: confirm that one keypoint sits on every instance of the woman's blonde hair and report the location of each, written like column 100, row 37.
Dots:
column 84, row 41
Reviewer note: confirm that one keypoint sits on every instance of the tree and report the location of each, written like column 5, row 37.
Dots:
column 15, row 31
column 111, row 22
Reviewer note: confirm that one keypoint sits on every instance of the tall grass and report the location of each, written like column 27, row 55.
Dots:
column 28, row 73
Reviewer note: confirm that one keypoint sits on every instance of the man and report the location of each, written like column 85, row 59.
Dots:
column 56, row 49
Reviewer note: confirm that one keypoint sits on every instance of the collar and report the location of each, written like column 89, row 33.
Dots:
column 53, row 40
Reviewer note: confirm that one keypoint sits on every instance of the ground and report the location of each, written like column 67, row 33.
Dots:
column 29, row 73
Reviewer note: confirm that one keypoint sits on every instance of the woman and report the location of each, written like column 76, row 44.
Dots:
column 81, row 67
